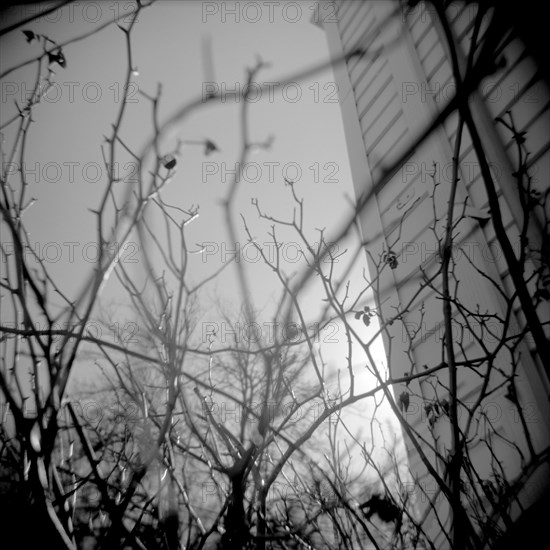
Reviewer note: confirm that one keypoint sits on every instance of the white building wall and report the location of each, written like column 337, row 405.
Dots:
column 387, row 97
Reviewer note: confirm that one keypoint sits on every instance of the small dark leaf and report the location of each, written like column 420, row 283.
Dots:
column 366, row 320
column 210, row 147
column 404, row 401
column 169, row 161
column 358, row 315
column 30, row 36
column 57, row 57
column 391, row 259
column 367, row 309
column 61, row 59
column 383, row 507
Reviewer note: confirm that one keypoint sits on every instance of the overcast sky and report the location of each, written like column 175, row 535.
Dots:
column 64, row 144
column 65, row 141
